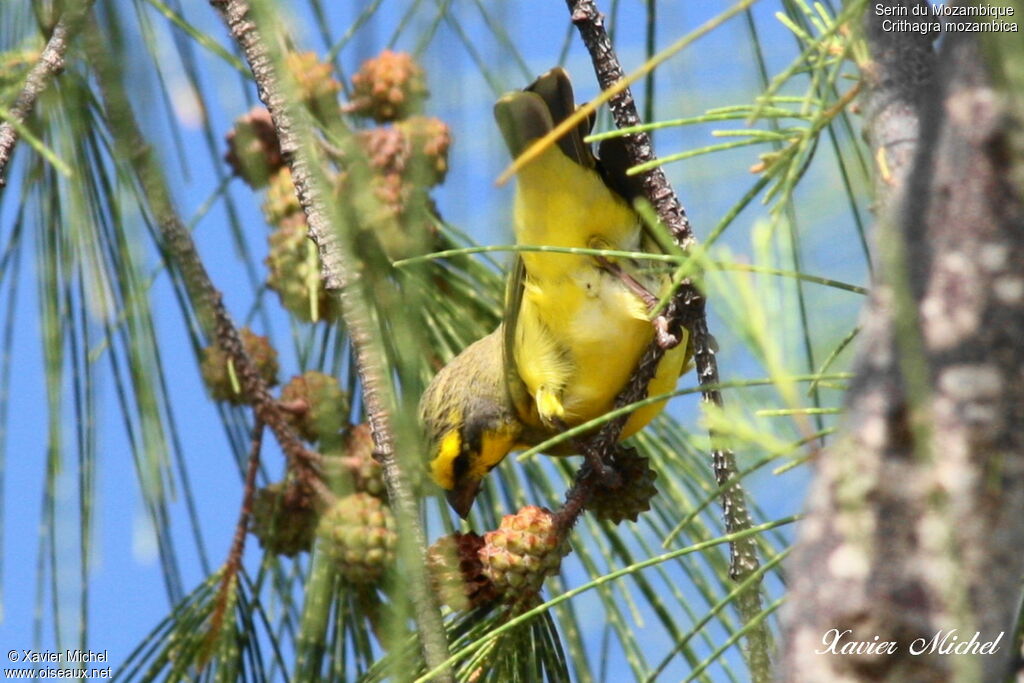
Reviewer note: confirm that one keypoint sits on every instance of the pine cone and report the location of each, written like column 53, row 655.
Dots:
column 317, row 86
column 388, row 87
column 524, row 550
column 633, row 496
column 326, row 406
column 392, row 193
column 284, row 519
column 457, row 574
column 367, row 473
column 387, row 149
column 357, row 533
column 417, row 146
column 294, row 266
column 402, row 221
column 215, row 366
column 254, row 152
column 429, row 138
column 352, row 467
column 281, row 203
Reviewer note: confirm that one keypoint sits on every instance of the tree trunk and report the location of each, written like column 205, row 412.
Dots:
column 915, row 521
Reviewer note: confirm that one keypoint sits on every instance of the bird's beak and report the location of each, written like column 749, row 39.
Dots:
column 462, row 496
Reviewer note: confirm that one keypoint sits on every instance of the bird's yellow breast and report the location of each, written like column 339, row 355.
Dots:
column 562, row 204
column 581, row 330
column 588, row 341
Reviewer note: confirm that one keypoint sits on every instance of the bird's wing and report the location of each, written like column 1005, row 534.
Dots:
column 527, row 115
column 513, row 301
column 613, row 162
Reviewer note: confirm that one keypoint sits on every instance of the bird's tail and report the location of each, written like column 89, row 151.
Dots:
column 529, row 114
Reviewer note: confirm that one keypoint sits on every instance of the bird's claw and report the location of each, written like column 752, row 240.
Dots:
column 665, row 339
column 606, row 476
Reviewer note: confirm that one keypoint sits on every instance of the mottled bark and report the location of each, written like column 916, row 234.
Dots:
column 915, row 518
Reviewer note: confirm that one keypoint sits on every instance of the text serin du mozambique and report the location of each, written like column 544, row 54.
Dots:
column 925, row 18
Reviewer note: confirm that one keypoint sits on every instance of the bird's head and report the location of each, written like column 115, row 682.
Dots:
column 465, row 454
column 470, row 421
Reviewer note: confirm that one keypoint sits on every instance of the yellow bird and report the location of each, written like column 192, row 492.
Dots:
column 575, row 325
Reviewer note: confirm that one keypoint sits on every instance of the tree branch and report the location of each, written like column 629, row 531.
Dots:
column 688, row 308
column 234, row 561
column 49, row 64
column 340, row 260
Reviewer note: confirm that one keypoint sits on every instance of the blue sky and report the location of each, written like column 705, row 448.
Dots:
column 126, row 585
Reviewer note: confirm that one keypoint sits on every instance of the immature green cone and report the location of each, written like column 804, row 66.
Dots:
column 357, row 533
column 281, row 202
column 457, row 574
column 415, row 149
column 217, row 374
column 317, row 85
column 254, row 151
column 367, row 473
column 388, row 87
column 284, row 519
column 294, row 272
column 524, row 550
column 318, row 406
column 633, row 496
column 429, row 139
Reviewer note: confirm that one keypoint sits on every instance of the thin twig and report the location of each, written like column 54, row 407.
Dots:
column 49, row 64
column 687, row 307
column 238, row 543
column 234, row 561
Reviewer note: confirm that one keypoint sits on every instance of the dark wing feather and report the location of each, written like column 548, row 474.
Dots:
column 513, row 300
column 555, row 89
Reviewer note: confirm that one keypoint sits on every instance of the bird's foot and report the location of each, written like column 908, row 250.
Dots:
column 606, row 475
column 665, row 339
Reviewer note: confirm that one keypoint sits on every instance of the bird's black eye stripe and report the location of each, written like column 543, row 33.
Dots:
column 461, row 465
column 473, row 433
column 472, row 438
